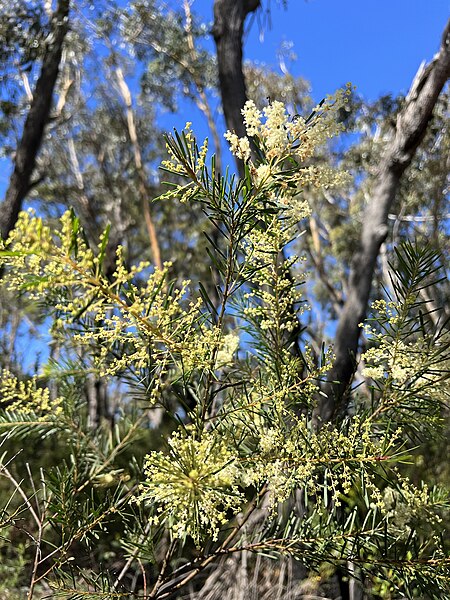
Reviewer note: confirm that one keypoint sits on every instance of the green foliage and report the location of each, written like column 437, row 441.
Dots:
column 172, row 426
column 411, row 354
column 237, row 393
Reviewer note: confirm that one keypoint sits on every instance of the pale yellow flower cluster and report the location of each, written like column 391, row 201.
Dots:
column 392, row 358
column 228, row 347
column 409, row 504
column 207, row 348
column 141, row 319
column 398, row 361
column 199, row 479
column 193, row 485
column 26, row 398
column 53, row 259
column 293, row 455
column 153, row 321
column 273, row 303
column 240, row 147
column 285, row 144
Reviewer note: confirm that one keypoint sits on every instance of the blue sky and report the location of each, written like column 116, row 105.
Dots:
column 376, row 44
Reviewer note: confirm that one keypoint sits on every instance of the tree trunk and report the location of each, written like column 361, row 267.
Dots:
column 229, row 18
column 228, row 29
column 410, row 130
column 37, row 118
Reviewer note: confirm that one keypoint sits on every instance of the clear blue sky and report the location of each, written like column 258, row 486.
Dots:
column 376, row 44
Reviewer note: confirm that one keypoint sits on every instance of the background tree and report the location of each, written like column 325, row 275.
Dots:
column 37, row 118
column 229, row 19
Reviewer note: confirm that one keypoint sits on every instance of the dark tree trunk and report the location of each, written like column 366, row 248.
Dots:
column 410, row 130
column 229, row 18
column 228, row 29
column 37, row 118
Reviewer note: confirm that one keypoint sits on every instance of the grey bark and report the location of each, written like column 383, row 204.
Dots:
column 411, row 126
column 37, row 118
column 228, row 29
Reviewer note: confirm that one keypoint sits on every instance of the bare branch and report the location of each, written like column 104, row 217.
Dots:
column 126, row 96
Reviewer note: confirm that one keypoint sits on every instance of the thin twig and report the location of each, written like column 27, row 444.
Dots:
column 18, row 487
column 133, row 556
